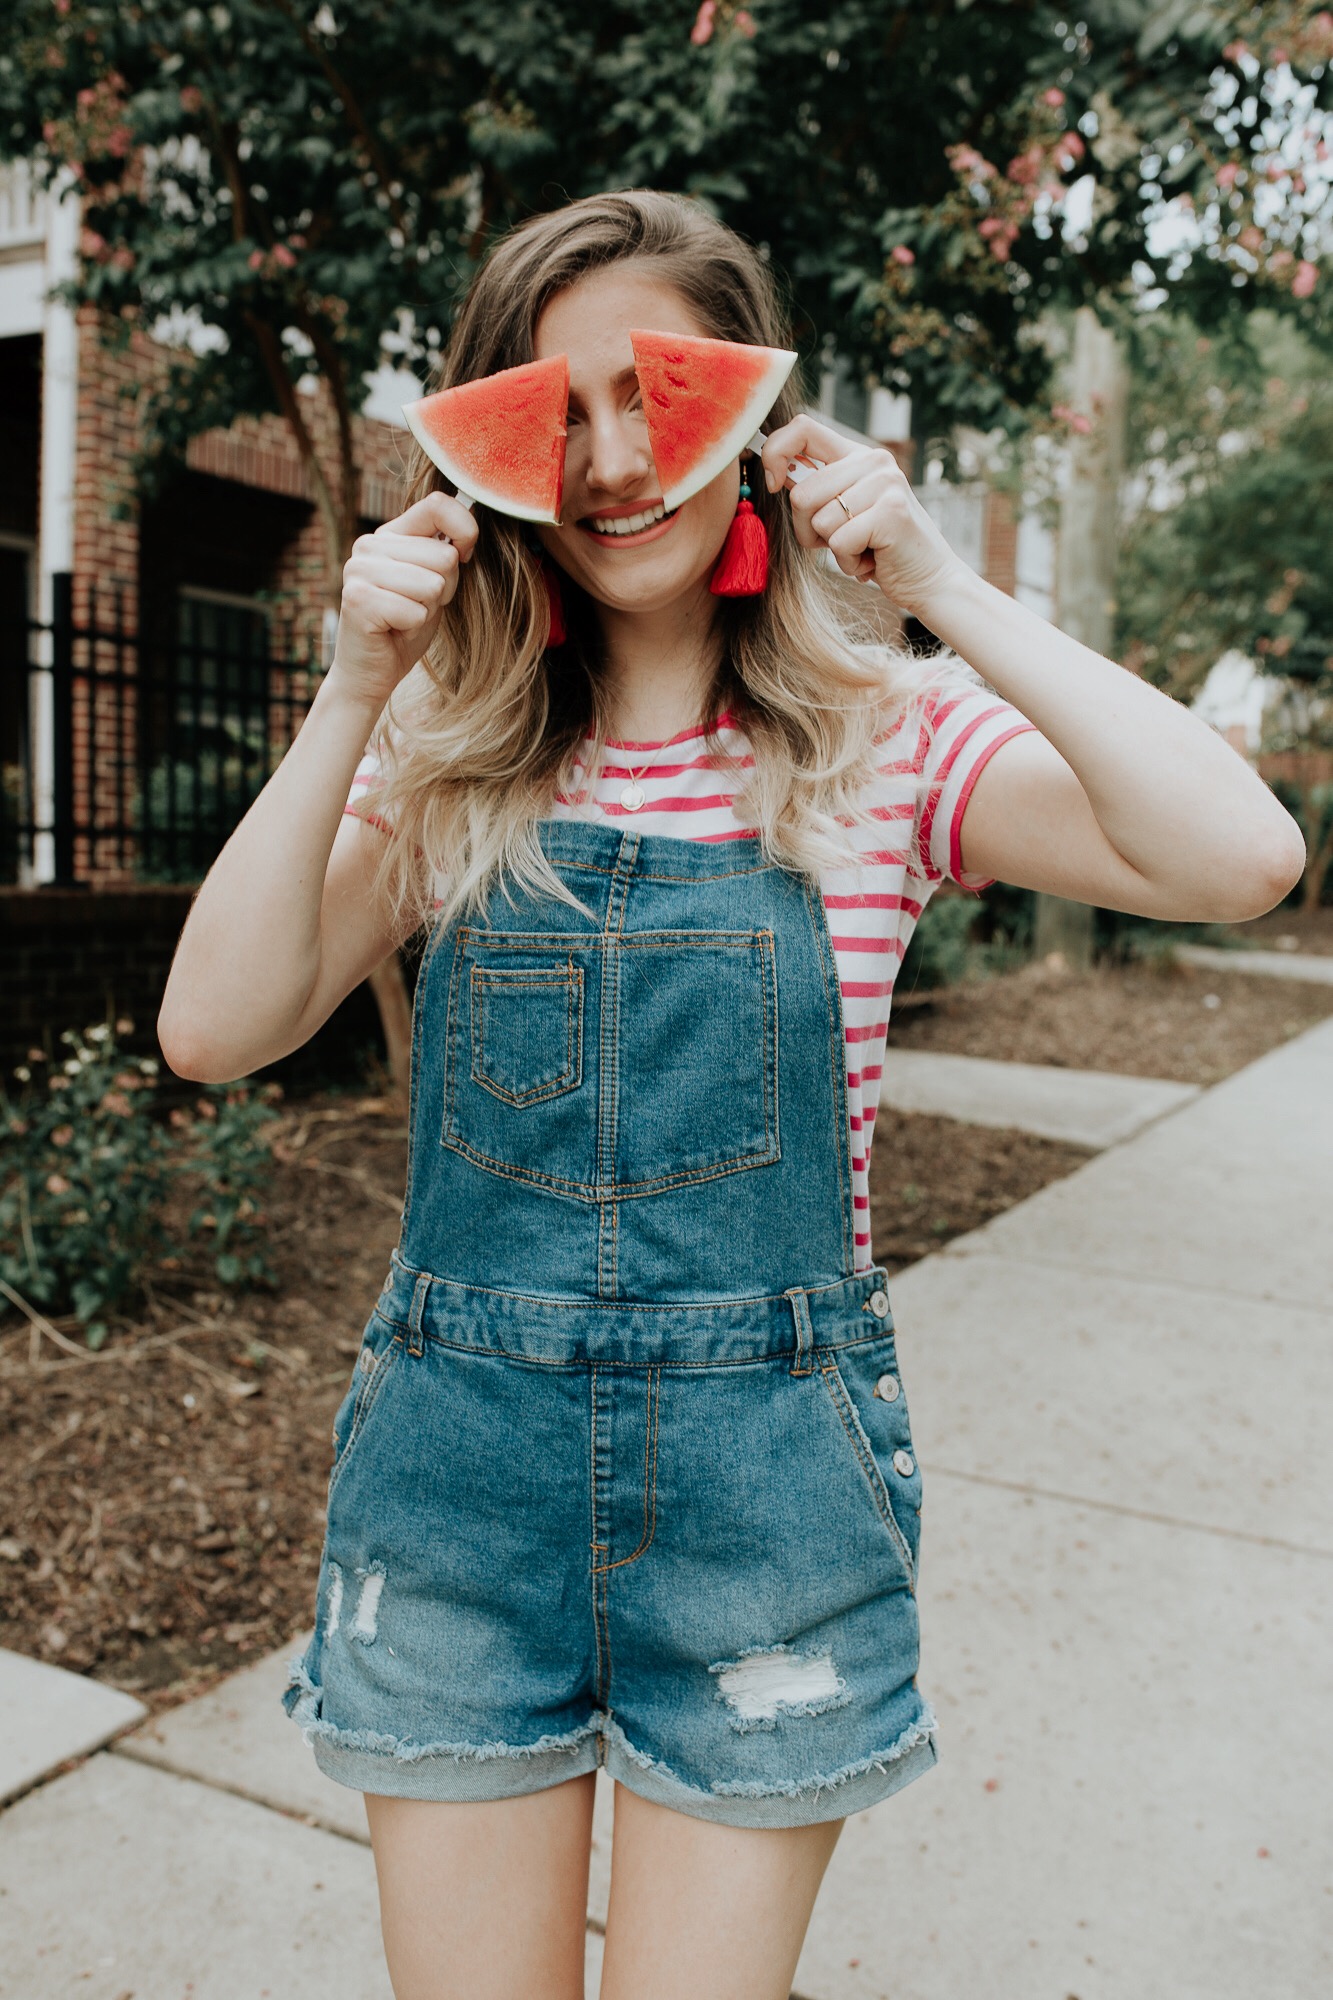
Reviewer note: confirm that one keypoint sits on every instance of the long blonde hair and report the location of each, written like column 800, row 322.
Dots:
column 479, row 739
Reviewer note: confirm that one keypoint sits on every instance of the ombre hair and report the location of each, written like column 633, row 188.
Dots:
column 480, row 738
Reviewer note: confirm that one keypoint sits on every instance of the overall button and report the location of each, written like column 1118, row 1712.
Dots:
column 879, row 1304
column 887, row 1387
column 904, row 1462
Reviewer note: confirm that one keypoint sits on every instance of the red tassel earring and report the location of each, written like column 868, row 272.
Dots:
column 742, row 568
column 557, row 634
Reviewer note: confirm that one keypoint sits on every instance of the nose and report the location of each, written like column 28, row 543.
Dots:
column 619, row 460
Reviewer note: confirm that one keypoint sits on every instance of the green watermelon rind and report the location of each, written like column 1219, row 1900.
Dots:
column 759, row 401
column 465, row 478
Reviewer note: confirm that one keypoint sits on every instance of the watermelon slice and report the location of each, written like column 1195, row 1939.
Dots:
column 702, row 400
column 501, row 440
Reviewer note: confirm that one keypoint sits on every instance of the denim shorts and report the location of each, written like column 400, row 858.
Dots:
column 624, row 1474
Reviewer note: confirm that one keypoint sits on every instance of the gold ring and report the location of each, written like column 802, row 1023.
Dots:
column 843, row 504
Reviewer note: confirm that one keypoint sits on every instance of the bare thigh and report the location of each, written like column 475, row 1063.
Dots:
column 485, row 1900
column 698, row 1908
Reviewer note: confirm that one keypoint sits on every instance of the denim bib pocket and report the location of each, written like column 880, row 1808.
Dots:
column 863, row 1382
column 527, row 1030
column 612, row 1066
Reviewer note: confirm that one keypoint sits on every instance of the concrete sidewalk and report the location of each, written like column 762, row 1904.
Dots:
column 1121, row 1392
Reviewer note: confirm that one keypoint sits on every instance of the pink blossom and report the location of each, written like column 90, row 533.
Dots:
column 282, row 255
column 1078, row 422
column 1234, row 51
column 1069, row 148
column 1321, row 150
column 57, row 1184
column 1305, row 280
column 1055, row 98
column 255, row 259
column 1278, row 56
column 123, row 258
column 702, row 31
column 902, row 255
column 745, row 22
column 1281, row 260
column 967, row 160
column 1251, row 238
column 1228, row 174
column 62, row 1135
column 117, row 1104
column 1026, row 166
column 192, row 99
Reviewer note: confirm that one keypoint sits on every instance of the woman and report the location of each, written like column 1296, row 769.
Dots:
column 624, row 1474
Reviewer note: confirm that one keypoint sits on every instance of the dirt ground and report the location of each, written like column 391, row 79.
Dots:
column 162, row 1501
column 1174, row 1021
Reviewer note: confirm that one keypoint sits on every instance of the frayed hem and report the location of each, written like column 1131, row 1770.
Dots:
column 921, row 1731
column 302, row 1699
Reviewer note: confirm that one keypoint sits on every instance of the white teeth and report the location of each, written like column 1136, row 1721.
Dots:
column 629, row 524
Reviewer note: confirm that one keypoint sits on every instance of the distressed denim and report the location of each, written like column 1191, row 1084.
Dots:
column 624, row 1473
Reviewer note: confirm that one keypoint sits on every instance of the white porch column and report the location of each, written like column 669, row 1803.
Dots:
column 55, row 520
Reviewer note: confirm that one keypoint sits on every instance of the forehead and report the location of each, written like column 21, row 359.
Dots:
column 590, row 321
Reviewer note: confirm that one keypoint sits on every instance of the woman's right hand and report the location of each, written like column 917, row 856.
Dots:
column 396, row 584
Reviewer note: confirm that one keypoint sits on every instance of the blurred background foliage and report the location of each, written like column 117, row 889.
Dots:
column 308, row 188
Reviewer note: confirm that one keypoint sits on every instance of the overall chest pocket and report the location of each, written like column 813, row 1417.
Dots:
column 613, row 1067
column 527, row 1030
column 520, row 1095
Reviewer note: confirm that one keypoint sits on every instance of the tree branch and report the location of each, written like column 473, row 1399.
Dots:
column 356, row 118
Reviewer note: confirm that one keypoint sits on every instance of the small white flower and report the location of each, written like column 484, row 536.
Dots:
column 98, row 1034
column 68, row 1035
column 72, row 1067
column 23, row 1074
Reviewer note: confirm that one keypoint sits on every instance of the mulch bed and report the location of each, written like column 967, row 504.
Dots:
column 1175, row 1021
column 162, row 1501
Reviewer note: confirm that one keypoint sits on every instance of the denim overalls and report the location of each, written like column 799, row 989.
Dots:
column 624, row 1474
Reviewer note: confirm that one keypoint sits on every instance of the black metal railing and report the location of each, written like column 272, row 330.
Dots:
column 137, row 756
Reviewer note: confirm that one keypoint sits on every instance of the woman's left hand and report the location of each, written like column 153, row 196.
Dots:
column 882, row 534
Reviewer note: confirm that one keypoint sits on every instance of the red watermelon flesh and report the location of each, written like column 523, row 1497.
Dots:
column 501, row 440
column 703, row 400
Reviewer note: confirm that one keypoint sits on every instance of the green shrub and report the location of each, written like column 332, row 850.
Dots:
column 91, row 1166
column 940, row 951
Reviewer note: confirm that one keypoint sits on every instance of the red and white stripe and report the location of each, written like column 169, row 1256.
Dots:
column 926, row 769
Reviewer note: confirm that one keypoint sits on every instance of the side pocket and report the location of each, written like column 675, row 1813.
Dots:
column 381, row 1344
column 864, row 1383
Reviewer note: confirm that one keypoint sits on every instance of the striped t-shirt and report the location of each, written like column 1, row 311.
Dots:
column 926, row 768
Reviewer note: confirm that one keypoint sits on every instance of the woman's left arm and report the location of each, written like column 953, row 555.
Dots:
column 1123, row 797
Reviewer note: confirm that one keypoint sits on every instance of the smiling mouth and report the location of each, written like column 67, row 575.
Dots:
column 609, row 528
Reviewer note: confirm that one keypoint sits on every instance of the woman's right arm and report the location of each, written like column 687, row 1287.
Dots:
column 284, row 925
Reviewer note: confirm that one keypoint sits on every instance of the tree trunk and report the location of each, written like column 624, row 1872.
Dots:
column 1318, row 853
column 1085, row 560
column 388, row 983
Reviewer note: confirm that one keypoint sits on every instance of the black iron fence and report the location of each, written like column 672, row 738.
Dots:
column 134, row 756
